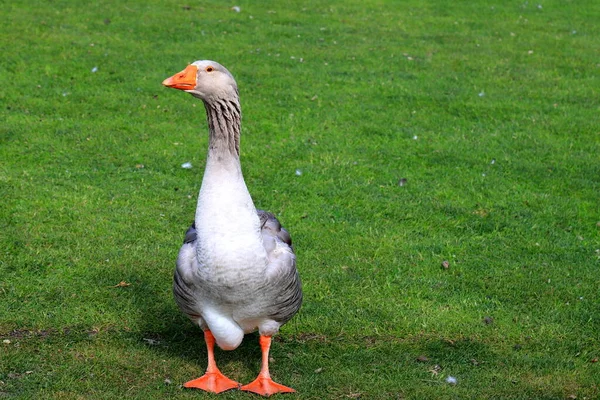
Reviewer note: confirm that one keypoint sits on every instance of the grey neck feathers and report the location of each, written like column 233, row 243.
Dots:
column 224, row 122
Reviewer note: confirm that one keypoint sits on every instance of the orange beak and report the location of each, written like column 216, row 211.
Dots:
column 185, row 80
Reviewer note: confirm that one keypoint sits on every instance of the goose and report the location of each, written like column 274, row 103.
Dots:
column 236, row 270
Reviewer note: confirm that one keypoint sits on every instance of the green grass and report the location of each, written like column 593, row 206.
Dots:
column 488, row 110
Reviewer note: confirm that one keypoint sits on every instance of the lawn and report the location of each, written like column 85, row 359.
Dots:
column 437, row 164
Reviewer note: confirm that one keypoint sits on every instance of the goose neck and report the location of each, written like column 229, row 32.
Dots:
column 224, row 123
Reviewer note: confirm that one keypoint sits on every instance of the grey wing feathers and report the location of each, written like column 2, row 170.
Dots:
column 190, row 234
column 183, row 296
column 182, row 290
column 269, row 223
column 282, row 266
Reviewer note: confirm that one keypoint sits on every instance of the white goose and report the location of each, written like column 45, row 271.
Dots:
column 236, row 271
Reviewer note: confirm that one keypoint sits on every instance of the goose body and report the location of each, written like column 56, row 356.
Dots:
column 236, row 271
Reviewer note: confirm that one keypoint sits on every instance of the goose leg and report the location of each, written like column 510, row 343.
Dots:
column 213, row 380
column 264, row 385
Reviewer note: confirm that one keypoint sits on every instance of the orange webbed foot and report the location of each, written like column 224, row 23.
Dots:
column 266, row 387
column 214, row 382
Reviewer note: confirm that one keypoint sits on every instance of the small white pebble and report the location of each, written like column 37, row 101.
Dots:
column 415, row 137
column 186, row 165
column 167, row 381
column 493, row 161
column 481, row 94
column 95, row 69
column 6, row 341
column 236, row 8
column 451, row 380
column 530, row 52
column 298, row 172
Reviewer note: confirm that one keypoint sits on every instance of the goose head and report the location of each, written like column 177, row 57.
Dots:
column 206, row 80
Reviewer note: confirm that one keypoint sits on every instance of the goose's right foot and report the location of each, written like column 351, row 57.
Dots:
column 213, row 380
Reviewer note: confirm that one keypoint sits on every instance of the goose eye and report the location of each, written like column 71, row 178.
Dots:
column 209, row 69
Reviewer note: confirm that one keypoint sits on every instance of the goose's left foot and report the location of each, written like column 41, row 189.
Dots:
column 264, row 385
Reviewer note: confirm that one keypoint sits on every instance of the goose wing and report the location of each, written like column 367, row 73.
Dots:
column 183, row 278
column 281, row 269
